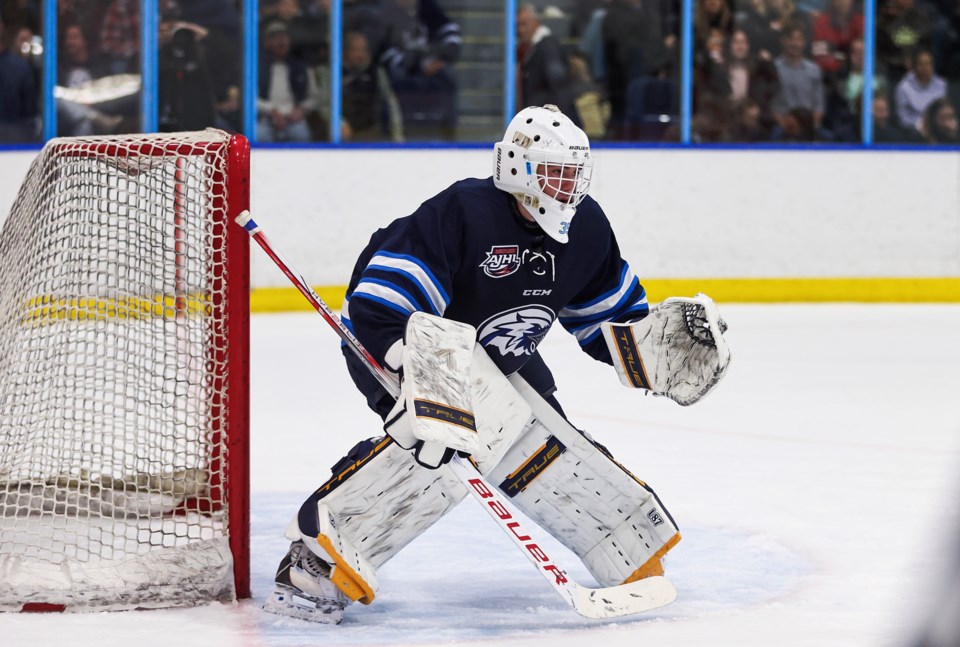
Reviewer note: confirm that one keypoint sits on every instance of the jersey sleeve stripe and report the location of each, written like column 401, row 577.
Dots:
column 587, row 332
column 345, row 318
column 588, row 336
column 620, row 313
column 626, row 276
column 428, row 298
column 386, row 294
column 606, row 309
column 419, row 273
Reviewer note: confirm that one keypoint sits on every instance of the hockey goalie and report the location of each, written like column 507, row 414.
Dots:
column 454, row 300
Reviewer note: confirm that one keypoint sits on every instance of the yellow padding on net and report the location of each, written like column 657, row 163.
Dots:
column 47, row 308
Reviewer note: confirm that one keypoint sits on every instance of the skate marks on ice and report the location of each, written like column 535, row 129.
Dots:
column 462, row 581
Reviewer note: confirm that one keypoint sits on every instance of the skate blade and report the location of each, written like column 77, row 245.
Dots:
column 288, row 602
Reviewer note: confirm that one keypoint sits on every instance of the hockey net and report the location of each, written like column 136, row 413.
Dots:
column 124, row 313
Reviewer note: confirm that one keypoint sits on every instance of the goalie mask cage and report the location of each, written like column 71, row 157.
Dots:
column 124, row 335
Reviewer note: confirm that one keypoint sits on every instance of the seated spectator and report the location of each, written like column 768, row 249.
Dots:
column 712, row 19
column 902, row 28
column 844, row 92
column 370, row 109
column 886, row 130
column 710, row 123
column 939, row 125
column 764, row 22
column 833, row 33
column 852, row 77
column 797, row 126
column 801, row 82
column 421, row 46
column 285, row 93
column 544, row 74
column 736, row 75
column 918, row 89
column 748, row 123
column 18, row 96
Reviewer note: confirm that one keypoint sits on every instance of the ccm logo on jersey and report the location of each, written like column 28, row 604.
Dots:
column 504, row 515
column 536, row 293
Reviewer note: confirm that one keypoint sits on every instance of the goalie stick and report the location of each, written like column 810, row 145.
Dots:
column 610, row 602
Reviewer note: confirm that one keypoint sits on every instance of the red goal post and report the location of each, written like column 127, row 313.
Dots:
column 124, row 375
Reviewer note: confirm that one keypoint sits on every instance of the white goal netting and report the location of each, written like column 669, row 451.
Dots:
column 115, row 401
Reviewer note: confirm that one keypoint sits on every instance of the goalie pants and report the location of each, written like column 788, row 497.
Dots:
column 570, row 485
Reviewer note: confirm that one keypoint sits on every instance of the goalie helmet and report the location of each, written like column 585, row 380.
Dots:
column 544, row 161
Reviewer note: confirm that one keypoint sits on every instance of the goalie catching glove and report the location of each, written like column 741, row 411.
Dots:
column 677, row 351
column 433, row 415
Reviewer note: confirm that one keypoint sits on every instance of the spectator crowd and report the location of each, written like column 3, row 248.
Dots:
column 763, row 70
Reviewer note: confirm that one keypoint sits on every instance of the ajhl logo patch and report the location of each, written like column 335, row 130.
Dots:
column 502, row 260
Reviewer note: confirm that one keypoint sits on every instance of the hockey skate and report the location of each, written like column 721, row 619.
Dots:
column 303, row 588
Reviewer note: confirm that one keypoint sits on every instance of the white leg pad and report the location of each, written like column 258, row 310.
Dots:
column 371, row 509
column 588, row 501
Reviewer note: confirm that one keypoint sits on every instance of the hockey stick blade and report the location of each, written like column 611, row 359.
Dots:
column 611, row 602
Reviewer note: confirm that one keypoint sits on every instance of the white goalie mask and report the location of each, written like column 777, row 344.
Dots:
column 544, row 161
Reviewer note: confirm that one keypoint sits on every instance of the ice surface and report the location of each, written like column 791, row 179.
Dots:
column 814, row 490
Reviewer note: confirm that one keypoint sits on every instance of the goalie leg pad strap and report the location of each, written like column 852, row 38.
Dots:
column 373, row 505
column 613, row 521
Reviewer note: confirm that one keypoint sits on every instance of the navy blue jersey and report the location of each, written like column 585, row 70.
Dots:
column 467, row 254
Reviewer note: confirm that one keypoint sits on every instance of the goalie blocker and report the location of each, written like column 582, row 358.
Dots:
column 379, row 498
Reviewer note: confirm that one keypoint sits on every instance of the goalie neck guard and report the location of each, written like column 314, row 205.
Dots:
column 544, row 161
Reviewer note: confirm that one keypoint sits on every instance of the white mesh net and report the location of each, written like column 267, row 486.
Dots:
column 113, row 391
